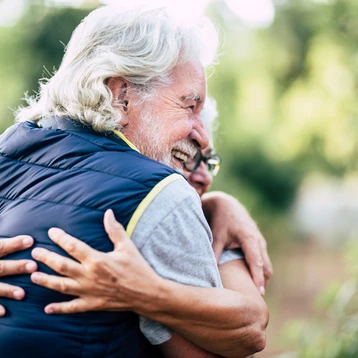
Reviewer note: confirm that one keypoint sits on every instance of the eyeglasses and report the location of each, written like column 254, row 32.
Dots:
column 212, row 162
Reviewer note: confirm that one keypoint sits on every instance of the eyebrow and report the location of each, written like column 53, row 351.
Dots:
column 191, row 97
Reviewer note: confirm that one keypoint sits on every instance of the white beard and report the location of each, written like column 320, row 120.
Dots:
column 149, row 142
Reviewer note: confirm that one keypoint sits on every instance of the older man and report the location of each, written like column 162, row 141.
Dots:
column 130, row 83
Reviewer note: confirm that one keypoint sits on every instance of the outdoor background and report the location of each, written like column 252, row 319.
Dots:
column 286, row 88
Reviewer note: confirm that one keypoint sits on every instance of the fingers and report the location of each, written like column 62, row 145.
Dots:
column 74, row 247
column 62, row 265
column 11, row 291
column 16, row 267
column 218, row 247
column 81, row 305
column 75, row 306
column 21, row 242
column 114, row 229
column 64, row 285
column 268, row 270
column 255, row 262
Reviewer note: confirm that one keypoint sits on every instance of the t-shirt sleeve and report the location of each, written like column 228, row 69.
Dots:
column 232, row 254
column 174, row 237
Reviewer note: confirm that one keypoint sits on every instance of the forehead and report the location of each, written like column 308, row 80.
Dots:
column 189, row 81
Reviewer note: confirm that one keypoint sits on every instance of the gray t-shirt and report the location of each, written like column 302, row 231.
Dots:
column 174, row 237
column 232, row 254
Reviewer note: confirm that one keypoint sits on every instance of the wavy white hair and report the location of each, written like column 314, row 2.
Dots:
column 209, row 115
column 142, row 46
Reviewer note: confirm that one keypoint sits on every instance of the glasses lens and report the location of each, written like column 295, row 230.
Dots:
column 193, row 163
column 213, row 164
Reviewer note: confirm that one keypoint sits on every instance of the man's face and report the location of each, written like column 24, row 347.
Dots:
column 168, row 126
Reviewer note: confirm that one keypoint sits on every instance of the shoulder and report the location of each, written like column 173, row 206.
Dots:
column 80, row 150
column 172, row 195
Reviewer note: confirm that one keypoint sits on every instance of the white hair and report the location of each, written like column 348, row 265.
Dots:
column 209, row 114
column 141, row 46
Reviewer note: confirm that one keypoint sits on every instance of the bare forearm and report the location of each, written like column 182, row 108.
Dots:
column 218, row 320
column 232, row 227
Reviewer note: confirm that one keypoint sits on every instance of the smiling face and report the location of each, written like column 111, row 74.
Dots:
column 168, row 127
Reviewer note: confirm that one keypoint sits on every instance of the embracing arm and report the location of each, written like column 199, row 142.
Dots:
column 195, row 313
column 236, row 277
column 232, row 227
column 218, row 320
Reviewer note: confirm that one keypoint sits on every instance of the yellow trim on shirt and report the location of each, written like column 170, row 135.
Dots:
column 121, row 135
column 148, row 199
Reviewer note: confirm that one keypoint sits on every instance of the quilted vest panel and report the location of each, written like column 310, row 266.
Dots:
column 66, row 176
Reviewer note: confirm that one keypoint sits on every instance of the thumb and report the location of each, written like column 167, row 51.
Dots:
column 218, row 247
column 114, row 229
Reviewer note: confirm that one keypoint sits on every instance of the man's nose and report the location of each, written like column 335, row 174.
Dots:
column 198, row 134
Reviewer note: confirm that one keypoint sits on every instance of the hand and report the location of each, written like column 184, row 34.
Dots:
column 233, row 227
column 100, row 280
column 14, row 267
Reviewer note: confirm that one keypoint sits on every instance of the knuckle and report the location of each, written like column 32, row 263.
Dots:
column 269, row 272
column 252, row 235
column 252, row 242
column 62, row 268
column 21, row 267
column 72, row 306
column 64, row 287
column 71, row 247
column 98, row 305
column 95, row 265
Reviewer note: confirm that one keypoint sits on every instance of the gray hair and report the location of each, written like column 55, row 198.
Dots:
column 141, row 46
column 209, row 114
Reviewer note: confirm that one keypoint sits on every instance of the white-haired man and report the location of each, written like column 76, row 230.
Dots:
column 130, row 83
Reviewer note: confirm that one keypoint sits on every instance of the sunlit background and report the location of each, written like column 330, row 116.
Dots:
column 286, row 92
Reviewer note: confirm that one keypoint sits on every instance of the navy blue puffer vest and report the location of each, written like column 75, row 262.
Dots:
column 66, row 176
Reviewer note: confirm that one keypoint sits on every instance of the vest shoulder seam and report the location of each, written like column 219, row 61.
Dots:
column 148, row 199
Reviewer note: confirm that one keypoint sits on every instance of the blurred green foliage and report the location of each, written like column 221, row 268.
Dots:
column 287, row 98
column 32, row 50
column 333, row 331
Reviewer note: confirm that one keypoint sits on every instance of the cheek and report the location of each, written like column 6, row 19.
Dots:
column 180, row 130
column 187, row 175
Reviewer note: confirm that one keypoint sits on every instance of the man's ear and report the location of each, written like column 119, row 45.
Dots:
column 119, row 88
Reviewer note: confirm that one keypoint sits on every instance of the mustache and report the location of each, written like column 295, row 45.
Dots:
column 186, row 146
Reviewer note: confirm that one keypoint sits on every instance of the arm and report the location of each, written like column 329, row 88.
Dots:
column 178, row 347
column 236, row 277
column 233, row 227
column 218, row 320
column 14, row 267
